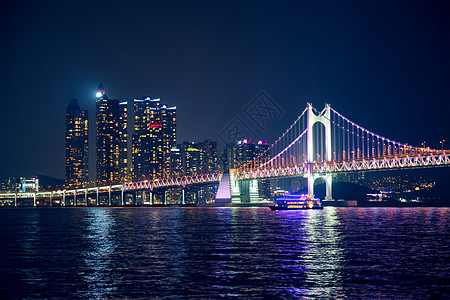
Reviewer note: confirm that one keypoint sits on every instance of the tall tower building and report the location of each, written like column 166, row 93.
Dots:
column 154, row 137
column 124, row 170
column 77, row 145
column 111, row 133
column 176, row 162
column 192, row 158
column 169, row 136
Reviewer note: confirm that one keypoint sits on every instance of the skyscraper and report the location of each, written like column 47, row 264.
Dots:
column 111, row 132
column 176, row 162
column 169, row 135
column 77, row 145
column 154, row 137
column 124, row 169
column 192, row 157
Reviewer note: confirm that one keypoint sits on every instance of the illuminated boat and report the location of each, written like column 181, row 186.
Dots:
column 295, row 202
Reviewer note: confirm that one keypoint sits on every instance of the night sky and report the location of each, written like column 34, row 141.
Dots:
column 384, row 65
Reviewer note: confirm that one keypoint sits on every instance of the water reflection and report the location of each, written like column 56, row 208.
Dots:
column 310, row 253
column 29, row 240
column 98, row 273
column 241, row 253
column 324, row 256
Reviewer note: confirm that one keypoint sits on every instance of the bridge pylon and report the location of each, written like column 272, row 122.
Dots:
column 243, row 191
column 324, row 118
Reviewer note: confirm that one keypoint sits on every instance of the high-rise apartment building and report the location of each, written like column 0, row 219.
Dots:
column 176, row 162
column 77, row 145
column 169, row 135
column 124, row 168
column 111, row 121
column 154, row 137
column 192, row 157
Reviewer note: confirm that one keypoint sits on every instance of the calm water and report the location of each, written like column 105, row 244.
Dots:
column 224, row 253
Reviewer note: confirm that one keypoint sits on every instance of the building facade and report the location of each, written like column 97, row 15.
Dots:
column 153, row 139
column 176, row 162
column 111, row 121
column 9, row 184
column 124, row 166
column 76, row 145
column 29, row 184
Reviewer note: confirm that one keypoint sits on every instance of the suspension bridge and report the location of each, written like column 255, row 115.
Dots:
column 317, row 145
column 322, row 143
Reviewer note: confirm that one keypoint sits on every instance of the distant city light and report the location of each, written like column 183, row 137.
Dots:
column 99, row 94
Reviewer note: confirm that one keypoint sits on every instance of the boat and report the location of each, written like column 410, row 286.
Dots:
column 296, row 202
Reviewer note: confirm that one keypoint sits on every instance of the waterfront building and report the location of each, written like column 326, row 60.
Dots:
column 76, row 145
column 176, row 162
column 192, row 156
column 154, row 137
column 169, row 136
column 111, row 132
column 9, row 184
column 29, row 184
column 124, row 166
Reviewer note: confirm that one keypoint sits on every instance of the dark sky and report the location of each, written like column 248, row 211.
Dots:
column 384, row 65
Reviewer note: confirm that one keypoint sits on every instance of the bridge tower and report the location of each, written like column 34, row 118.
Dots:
column 324, row 118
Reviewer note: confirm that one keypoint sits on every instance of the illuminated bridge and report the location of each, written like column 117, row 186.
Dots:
column 320, row 144
column 317, row 145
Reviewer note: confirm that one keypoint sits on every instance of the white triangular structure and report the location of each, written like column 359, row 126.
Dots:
column 224, row 192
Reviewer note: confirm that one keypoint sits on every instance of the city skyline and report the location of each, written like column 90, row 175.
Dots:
column 318, row 146
column 217, row 149
column 212, row 70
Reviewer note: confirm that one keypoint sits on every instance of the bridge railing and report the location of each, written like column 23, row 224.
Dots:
column 416, row 160
column 173, row 182
column 151, row 184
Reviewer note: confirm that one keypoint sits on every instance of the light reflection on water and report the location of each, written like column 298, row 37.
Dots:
column 324, row 256
column 101, row 245
column 237, row 253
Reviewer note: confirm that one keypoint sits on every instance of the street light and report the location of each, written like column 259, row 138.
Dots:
column 442, row 144
column 424, row 145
